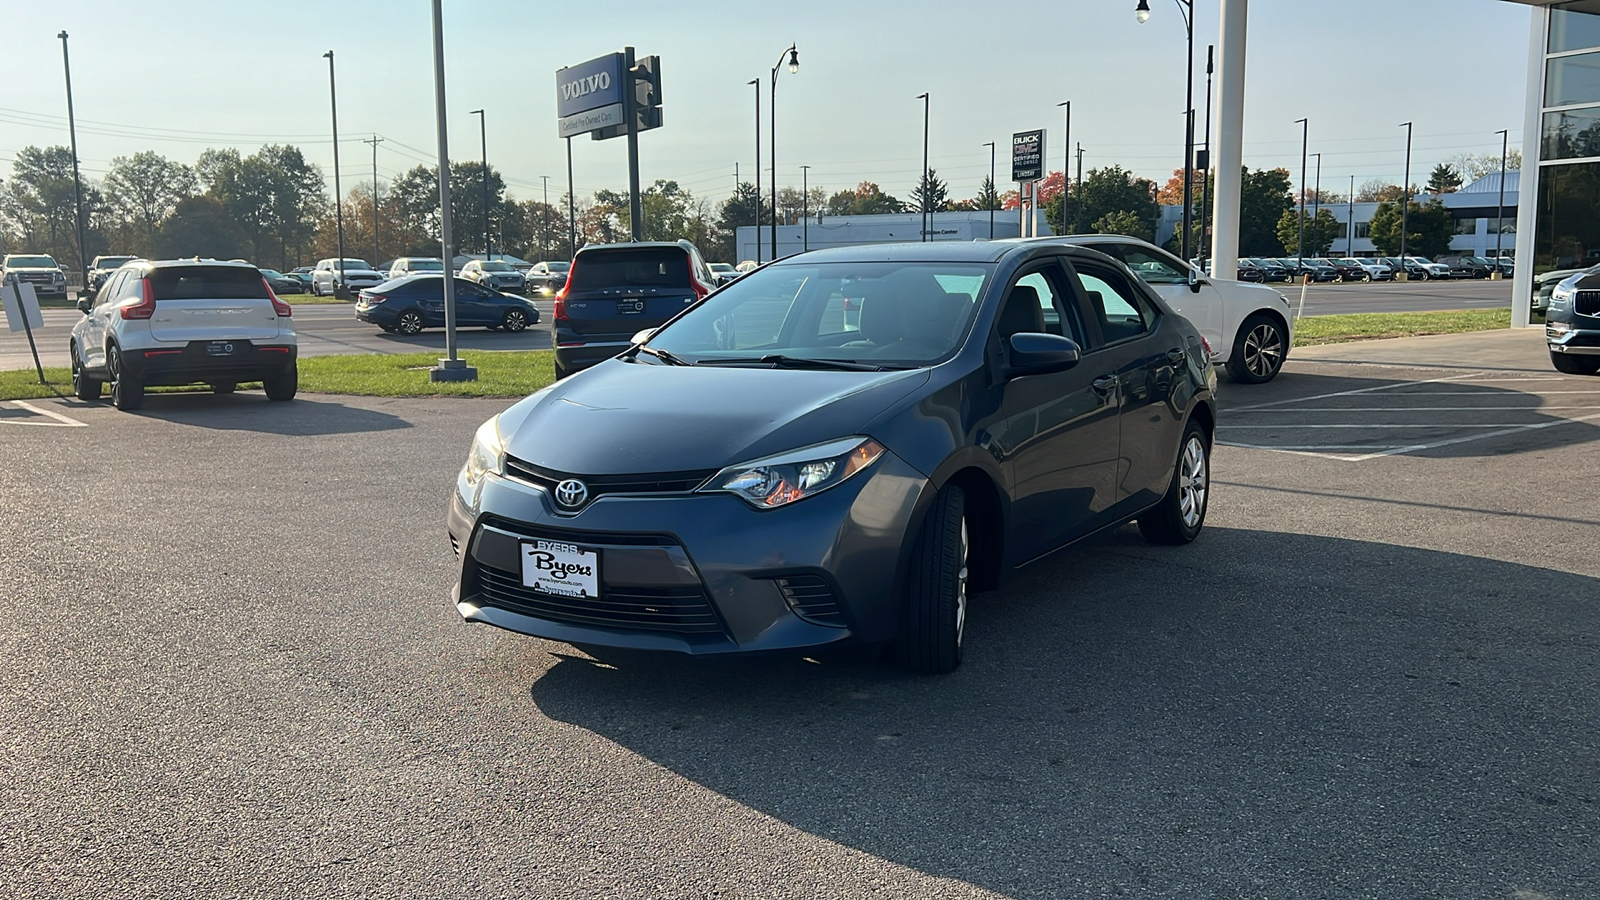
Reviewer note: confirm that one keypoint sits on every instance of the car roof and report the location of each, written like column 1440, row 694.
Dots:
column 190, row 263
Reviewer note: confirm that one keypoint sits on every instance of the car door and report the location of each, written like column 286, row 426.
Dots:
column 1169, row 278
column 475, row 304
column 1144, row 351
column 93, row 346
column 1055, row 432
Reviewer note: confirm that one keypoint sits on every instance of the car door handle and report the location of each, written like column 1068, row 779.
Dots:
column 1103, row 384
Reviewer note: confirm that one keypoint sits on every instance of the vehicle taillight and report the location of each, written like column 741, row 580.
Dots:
column 146, row 307
column 560, row 311
column 283, row 309
column 373, row 299
column 1207, row 345
column 699, row 289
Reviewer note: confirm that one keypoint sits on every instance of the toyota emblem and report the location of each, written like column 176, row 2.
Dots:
column 571, row 494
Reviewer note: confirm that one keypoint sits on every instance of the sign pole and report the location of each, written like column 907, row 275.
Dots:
column 630, row 115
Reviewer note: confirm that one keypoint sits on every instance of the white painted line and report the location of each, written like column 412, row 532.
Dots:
column 1479, row 437
column 60, row 420
column 1290, row 426
column 1410, row 409
column 1367, row 390
column 1314, row 451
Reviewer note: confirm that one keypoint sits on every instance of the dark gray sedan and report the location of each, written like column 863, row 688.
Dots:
column 839, row 446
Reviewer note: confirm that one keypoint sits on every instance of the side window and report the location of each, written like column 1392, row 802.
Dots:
column 1038, row 301
column 108, row 291
column 1115, row 304
column 1151, row 267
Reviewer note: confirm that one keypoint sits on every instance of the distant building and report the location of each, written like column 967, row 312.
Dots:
column 822, row 230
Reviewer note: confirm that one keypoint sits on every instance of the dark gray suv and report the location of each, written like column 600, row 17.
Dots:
column 614, row 291
column 1572, row 324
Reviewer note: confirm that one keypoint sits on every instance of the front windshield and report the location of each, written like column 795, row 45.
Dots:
column 495, row 267
column 31, row 262
column 112, row 262
column 721, row 267
column 560, row 266
column 425, row 265
column 878, row 313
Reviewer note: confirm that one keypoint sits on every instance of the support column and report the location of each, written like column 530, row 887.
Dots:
column 1230, row 139
column 1528, row 178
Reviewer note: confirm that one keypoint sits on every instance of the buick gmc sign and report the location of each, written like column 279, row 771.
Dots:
column 589, row 85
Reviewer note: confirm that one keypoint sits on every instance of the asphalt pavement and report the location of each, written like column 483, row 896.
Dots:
column 229, row 667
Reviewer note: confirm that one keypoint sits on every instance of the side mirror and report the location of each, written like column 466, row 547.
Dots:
column 1195, row 281
column 642, row 336
column 1033, row 353
column 84, row 305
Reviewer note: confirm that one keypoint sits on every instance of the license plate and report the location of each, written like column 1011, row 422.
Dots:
column 630, row 307
column 562, row 569
column 219, row 348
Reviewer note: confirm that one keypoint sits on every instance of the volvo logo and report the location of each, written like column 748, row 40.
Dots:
column 572, row 90
column 571, row 494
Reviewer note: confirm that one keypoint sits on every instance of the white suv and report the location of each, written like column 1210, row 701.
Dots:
column 38, row 270
column 183, row 322
column 357, row 274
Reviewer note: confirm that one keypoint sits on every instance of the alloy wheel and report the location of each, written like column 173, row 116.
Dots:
column 409, row 323
column 1193, row 482
column 1263, row 350
column 516, row 320
column 961, row 586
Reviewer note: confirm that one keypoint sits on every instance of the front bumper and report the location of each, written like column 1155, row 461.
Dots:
column 696, row 573
column 1573, row 342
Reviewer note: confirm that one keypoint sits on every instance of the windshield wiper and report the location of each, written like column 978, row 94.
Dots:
column 779, row 361
column 666, row 356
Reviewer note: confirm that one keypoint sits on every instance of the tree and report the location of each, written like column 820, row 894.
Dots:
column 144, row 189
column 417, row 192
column 1171, row 193
column 1476, row 165
column 866, row 200
column 274, row 195
column 931, row 193
column 791, row 205
column 41, row 204
column 1444, row 180
column 987, row 197
column 1263, row 196
column 1124, row 221
column 1377, row 190
column 200, row 226
column 1106, row 190
column 1322, row 229
column 1428, row 228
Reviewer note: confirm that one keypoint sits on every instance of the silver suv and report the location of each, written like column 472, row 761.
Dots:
column 183, row 322
column 38, row 270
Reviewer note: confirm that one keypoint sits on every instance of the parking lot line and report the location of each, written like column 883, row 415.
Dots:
column 1345, row 409
column 61, row 421
column 1350, row 393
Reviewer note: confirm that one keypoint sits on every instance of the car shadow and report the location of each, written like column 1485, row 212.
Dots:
column 1258, row 709
column 252, row 411
column 536, row 337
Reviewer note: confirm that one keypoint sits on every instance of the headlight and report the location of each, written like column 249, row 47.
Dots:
column 780, row 480
column 487, row 454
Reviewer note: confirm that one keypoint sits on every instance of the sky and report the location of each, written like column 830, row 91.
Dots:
column 178, row 76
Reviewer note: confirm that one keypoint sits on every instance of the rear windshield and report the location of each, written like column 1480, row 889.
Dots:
column 425, row 265
column 31, row 262
column 112, row 262
column 648, row 266
column 495, row 267
column 560, row 266
column 208, row 283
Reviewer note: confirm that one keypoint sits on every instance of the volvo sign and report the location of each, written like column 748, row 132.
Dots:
column 589, row 96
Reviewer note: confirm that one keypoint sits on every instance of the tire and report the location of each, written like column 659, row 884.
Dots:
column 1575, row 365
column 561, row 371
column 1367, row 278
column 516, row 320
column 935, row 618
column 1180, row 515
column 282, row 387
column 127, row 392
column 1422, row 276
column 1258, row 350
column 224, row 387
column 83, row 387
column 409, row 323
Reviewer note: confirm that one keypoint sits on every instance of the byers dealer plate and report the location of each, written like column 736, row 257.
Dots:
column 562, row 569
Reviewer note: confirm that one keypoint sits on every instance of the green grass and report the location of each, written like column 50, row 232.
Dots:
column 1313, row 330
column 311, row 300
column 23, row 384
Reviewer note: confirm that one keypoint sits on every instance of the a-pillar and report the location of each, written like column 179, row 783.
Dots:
column 1230, row 139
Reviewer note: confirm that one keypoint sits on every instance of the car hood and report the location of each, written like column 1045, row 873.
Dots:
column 623, row 417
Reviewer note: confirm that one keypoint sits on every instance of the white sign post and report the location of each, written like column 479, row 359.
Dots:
column 22, row 314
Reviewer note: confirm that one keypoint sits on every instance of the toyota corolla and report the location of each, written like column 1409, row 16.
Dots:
column 839, row 446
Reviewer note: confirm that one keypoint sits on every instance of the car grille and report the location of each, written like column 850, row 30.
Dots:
column 677, row 610
column 600, row 485
column 812, row 599
column 41, row 277
column 1586, row 303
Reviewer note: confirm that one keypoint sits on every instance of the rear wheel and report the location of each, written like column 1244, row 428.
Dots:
column 127, row 392
column 935, row 620
column 410, row 322
column 83, row 387
column 1258, row 350
column 561, row 371
column 1575, row 365
column 283, row 386
column 224, row 387
column 515, row 320
column 1180, row 515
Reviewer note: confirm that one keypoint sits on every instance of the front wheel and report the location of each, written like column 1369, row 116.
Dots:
column 1422, row 276
column 83, row 387
column 1180, row 515
column 1367, row 278
column 516, row 320
column 1575, row 365
column 1258, row 351
column 935, row 619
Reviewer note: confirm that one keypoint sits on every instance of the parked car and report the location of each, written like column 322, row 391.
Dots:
column 494, row 274
column 1244, row 270
column 1298, row 268
column 101, row 267
column 724, row 272
column 614, row 291
column 183, row 322
column 1247, row 326
column 1466, row 266
column 304, row 274
column 1423, row 269
column 1506, row 264
column 1545, row 283
column 1271, row 270
column 998, row 401
column 1373, row 269
column 37, row 269
column 356, row 274
column 1492, row 265
column 1346, row 271
column 281, row 283
column 548, row 277
column 412, row 265
column 411, row 303
column 1572, row 323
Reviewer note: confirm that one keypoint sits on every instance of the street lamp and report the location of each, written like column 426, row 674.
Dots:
column 483, row 137
column 989, row 198
column 1186, row 9
column 757, row 83
column 1300, row 244
column 451, row 367
column 544, row 241
column 77, row 183
column 1316, row 190
column 1500, row 210
column 924, row 189
column 1066, row 156
column 1405, row 203
column 772, row 121
column 338, row 199
column 805, row 208
column 1204, row 250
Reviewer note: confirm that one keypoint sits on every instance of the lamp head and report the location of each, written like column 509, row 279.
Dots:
column 328, row 55
column 1142, row 11
column 794, row 60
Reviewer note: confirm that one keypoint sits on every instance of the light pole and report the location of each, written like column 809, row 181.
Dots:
column 805, row 208
column 757, row 83
column 544, row 241
column 1066, row 156
column 77, row 184
column 989, row 198
column 452, row 367
column 1350, row 220
column 377, row 255
column 1405, row 203
column 1500, row 210
column 772, row 121
column 1300, row 242
column 483, row 137
column 572, row 208
column 924, row 190
column 1186, row 9
column 1316, row 190
column 1205, row 171
column 338, row 199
